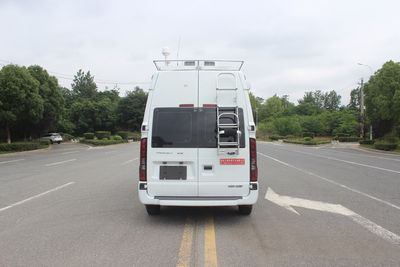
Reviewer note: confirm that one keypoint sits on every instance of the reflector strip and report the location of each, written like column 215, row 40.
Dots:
column 186, row 105
column 231, row 161
column 209, row 105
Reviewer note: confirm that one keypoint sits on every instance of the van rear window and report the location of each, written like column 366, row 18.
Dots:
column 188, row 128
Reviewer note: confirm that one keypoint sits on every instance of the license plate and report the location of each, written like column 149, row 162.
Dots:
column 231, row 161
column 173, row 172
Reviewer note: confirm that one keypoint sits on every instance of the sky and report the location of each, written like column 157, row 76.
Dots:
column 289, row 46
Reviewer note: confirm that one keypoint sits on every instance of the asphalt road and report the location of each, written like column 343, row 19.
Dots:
column 75, row 206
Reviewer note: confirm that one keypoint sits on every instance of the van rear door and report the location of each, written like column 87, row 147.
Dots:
column 172, row 155
column 220, row 174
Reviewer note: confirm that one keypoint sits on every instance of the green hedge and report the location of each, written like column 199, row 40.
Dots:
column 276, row 137
column 301, row 142
column 102, row 134
column 23, row 146
column 307, row 141
column 123, row 134
column 67, row 137
column 308, row 138
column 135, row 136
column 105, row 142
column 88, row 136
column 348, row 139
column 116, row 137
column 308, row 134
column 366, row 142
column 385, row 146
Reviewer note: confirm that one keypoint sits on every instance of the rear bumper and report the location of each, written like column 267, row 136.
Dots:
column 146, row 199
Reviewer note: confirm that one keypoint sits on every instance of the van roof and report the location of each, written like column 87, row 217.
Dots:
column 196, row 64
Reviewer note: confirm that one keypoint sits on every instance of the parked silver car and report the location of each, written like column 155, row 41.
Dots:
column 53, row 138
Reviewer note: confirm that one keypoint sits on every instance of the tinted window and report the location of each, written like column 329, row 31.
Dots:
column 174, row 127
column 190, row 127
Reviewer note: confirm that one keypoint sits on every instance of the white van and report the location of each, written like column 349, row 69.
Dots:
column 198, row 145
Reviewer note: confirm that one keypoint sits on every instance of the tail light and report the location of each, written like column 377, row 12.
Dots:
column 253, row 160
column 143, row 160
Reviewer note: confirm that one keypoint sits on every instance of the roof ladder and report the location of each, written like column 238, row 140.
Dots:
column 228, row 122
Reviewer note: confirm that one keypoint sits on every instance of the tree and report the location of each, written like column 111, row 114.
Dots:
column 382, row 99
column 52, row 97
column 84, row 85
column 355, row 96
column 287, row 125
column 130, row 109
column 19, row 98
column 256, row 103
column 331, row 101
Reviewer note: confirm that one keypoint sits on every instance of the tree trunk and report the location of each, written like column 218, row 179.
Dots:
column 8, row 134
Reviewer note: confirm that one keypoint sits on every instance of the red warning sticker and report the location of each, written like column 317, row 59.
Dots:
column 231, row 161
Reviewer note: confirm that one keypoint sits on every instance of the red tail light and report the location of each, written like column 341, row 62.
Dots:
column 143, row 160
column 253, row 160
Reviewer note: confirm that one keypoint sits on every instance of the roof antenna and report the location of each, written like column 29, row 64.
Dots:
column 166, row 52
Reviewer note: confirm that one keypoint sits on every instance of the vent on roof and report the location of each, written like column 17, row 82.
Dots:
column 209, row 63
column 190, row 63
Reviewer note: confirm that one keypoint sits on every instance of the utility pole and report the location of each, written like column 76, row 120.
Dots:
column 362, row 107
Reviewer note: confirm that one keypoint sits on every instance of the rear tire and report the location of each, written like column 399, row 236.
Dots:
column 245, row 209
column 153, row 209
column 58, row 142
column 51, row 141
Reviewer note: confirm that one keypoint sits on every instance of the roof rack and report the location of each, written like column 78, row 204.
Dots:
column 163, row 65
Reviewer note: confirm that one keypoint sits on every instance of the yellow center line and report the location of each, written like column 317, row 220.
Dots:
column 210, row 248
column 186, row 245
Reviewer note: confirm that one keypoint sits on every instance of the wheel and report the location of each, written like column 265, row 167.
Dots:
column 245, row 209
column 51, row 141
column 153, row 209
column 58, row 142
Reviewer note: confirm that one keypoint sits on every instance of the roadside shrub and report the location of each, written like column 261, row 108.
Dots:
column 385, row 146
column 23, row 146
column 290, row 136
column 275, row 137
column 342, row 135
column 103, row 134
column 88, row 136
column 67, row 137
column 116, row 137
column 309, row 134
column 135, row 136
column 307, row 138
column 44, row 142
column 123, row 134
column 104, row 142
column 366, row 142
column 348, row 139
column 310, row 143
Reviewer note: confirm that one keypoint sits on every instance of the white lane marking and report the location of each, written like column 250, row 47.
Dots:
column 346, row 161
column 36, row 196
column 332, row 182
column 354, row 154
column 60, row 162
column 69, row 152
column 287, row 202
column 328, row 148
column 128, row 161
column 10, row 161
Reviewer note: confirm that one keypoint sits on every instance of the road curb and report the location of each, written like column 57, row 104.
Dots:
column 26, row 152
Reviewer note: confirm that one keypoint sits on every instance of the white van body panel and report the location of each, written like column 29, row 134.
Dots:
column 208, row 182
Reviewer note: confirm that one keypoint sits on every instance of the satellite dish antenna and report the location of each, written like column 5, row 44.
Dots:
column 166, row 52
